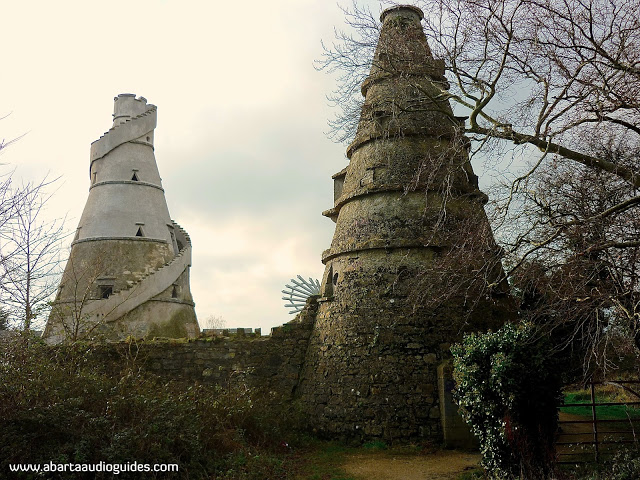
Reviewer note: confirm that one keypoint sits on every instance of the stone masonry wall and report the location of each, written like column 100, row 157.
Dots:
column 371, row 367
column 384, row 387
column 268, row 364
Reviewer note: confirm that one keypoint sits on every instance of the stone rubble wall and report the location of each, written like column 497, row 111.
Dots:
column 270, row 364
column 389, row 392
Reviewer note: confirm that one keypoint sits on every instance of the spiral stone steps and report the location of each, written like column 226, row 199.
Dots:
column 150, row 285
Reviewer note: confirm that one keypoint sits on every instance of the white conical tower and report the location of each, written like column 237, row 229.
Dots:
column 128, row 271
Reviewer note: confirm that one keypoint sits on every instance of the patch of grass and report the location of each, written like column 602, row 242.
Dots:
column 474, row 474
column 579, row 471
column 375, row 445
column 625, row 465
column 323, row 461
column 609, row 412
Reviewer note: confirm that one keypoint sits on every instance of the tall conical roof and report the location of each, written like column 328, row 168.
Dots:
column 408, row 196
column 402, row 48
column 402, row 95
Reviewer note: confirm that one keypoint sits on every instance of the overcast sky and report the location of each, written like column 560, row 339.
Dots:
column 240, row 142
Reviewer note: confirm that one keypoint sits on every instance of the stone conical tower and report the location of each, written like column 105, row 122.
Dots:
column 402, row 204
column 128, row 271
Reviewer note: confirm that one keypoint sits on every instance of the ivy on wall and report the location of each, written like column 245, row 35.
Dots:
column 508, row 390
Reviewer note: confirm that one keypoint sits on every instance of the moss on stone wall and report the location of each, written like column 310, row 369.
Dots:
column 175, row 327
column 125, row 261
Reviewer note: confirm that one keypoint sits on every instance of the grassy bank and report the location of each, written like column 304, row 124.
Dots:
column 603, row 394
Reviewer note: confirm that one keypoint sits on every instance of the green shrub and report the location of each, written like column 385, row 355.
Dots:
column 58, row 405
column 625, row 466
column 508, row 390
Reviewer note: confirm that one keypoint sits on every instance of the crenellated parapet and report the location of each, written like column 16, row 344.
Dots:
column 127, row 105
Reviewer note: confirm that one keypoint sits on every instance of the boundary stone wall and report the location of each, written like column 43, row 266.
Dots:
column 270, row 364
column 283, row 368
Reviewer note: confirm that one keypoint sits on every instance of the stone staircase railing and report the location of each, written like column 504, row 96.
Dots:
column 137, row 127
column 153, row 283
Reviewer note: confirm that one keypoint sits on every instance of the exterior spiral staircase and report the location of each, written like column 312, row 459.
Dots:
column 154, row 282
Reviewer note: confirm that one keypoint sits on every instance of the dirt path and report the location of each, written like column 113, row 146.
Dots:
column 440, row 465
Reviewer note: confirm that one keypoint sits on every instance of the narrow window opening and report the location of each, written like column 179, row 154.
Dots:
column 174, row 292
column 134, row 177
column 335, row 279
column 174, row 242
column 106, row 291
column 148, row 138
column 139, row 233
column 328, row 284
column 93, row 180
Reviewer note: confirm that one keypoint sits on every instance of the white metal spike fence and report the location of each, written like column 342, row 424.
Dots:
column 298, row 293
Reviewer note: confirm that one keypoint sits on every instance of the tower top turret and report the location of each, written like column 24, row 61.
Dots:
column 126, row 106
column 402, row 48
column 402, row 10
column 403, row 92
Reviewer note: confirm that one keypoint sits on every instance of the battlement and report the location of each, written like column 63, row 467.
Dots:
column 126, row 106
column 228, row 332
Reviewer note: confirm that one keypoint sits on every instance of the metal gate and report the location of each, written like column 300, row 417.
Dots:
column 595, row 437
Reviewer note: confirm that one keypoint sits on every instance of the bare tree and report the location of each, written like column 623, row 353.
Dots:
column 10, row 198
column 538, row 73
column 4, row 319
column 215, row 322
column 76, row 291
column 584, row 282
column 29, row 247
column 29, row 254
column 5, row 143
